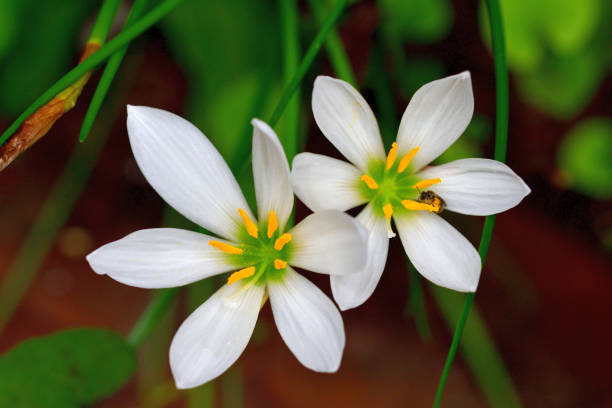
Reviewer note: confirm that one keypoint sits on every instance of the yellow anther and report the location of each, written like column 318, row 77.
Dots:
column 272, row 223
column 388, row 210
column 392, row 155
column 426, row 183
column 241, row 274
column 418, row 206
column 282, row 241
column 372, row 185
column 407, row 159
column 225, row 247
column 250, row 225
column 279, row 264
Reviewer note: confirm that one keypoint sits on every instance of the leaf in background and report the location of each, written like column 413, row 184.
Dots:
column 418, row 21
column 470, row 143
column 560, row 51
column 8, row 24
column 45, row 48
column 585, row 157
column 561, row 87
column 226, row 48
column 70, row 368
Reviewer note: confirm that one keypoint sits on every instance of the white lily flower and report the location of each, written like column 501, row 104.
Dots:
column 188, row 172
column 399, row 186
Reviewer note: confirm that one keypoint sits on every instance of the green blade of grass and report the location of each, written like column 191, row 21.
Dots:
column 109, row 74
column 98, row 57
column 501, row 142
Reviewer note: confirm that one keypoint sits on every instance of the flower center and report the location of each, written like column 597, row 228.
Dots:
column 259, row 255
column 390, row 188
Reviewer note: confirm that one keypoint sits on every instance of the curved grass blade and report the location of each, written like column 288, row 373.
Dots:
column 109, row 74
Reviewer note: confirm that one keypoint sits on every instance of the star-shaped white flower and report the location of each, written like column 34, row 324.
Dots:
column 399, row 186
column 188, row 172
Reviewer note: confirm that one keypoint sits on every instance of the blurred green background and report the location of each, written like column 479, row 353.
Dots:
column 541, row 333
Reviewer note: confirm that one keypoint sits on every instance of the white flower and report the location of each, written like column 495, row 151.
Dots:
column 187, row 171
column 399, row 186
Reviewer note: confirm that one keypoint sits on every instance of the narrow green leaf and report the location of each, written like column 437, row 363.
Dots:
column 479, row 351
column 70, row 368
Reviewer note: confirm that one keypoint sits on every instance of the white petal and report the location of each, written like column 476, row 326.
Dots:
column 159, row 258
column 271, row 174
column 329, row 242
column 323, row 183
column 438, row 251
column 183, row 166
column 477, row 186
column 347, row 121
column 436, row 116
column 352, row 290
column 212, row 338
column 308, row 322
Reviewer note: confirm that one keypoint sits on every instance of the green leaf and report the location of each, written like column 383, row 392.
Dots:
column 584, row 157
column 70, row 368
column 421, row 21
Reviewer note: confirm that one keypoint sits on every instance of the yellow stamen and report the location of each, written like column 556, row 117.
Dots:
column 250, row 225
column 372, row 185
column 418, row 206
column 225, row 247
column 279, row 264
column 406, row 159
column 241, row 274
column 388, row 210
column 282, row 241
column 392, row 155
column 272, row 224
column 426, row 183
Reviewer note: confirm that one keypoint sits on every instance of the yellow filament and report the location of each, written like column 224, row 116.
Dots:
column 426, row 183
column 372, row 185
column 279, row 264
column 241, row 274
column 229, row 249
column 388, row 210
column 272, row 224
column 407, row 159
column 282, row 241
column 250, row 225
column 418, row 206
column 392, row 155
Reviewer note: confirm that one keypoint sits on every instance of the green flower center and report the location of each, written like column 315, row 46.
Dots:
column 262, row 254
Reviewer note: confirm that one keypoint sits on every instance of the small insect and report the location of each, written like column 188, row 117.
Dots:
column 431, row 198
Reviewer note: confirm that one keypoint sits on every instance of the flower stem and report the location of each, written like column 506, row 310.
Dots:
column 501, row 142
column 152, row 314
column 309, row 57
column 104, row 21
column 98, row 57
column 109, row 74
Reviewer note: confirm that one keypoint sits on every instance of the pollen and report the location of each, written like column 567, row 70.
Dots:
column 426, row 183
column 418, row 206
column 250, row 225
column 241, row 274
column 372, row 185
column 392, row 155
column 228, row 249
column 407, row 159
column 282, row 241
column 272, row 224
column 388, row 210
column 279, row 264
